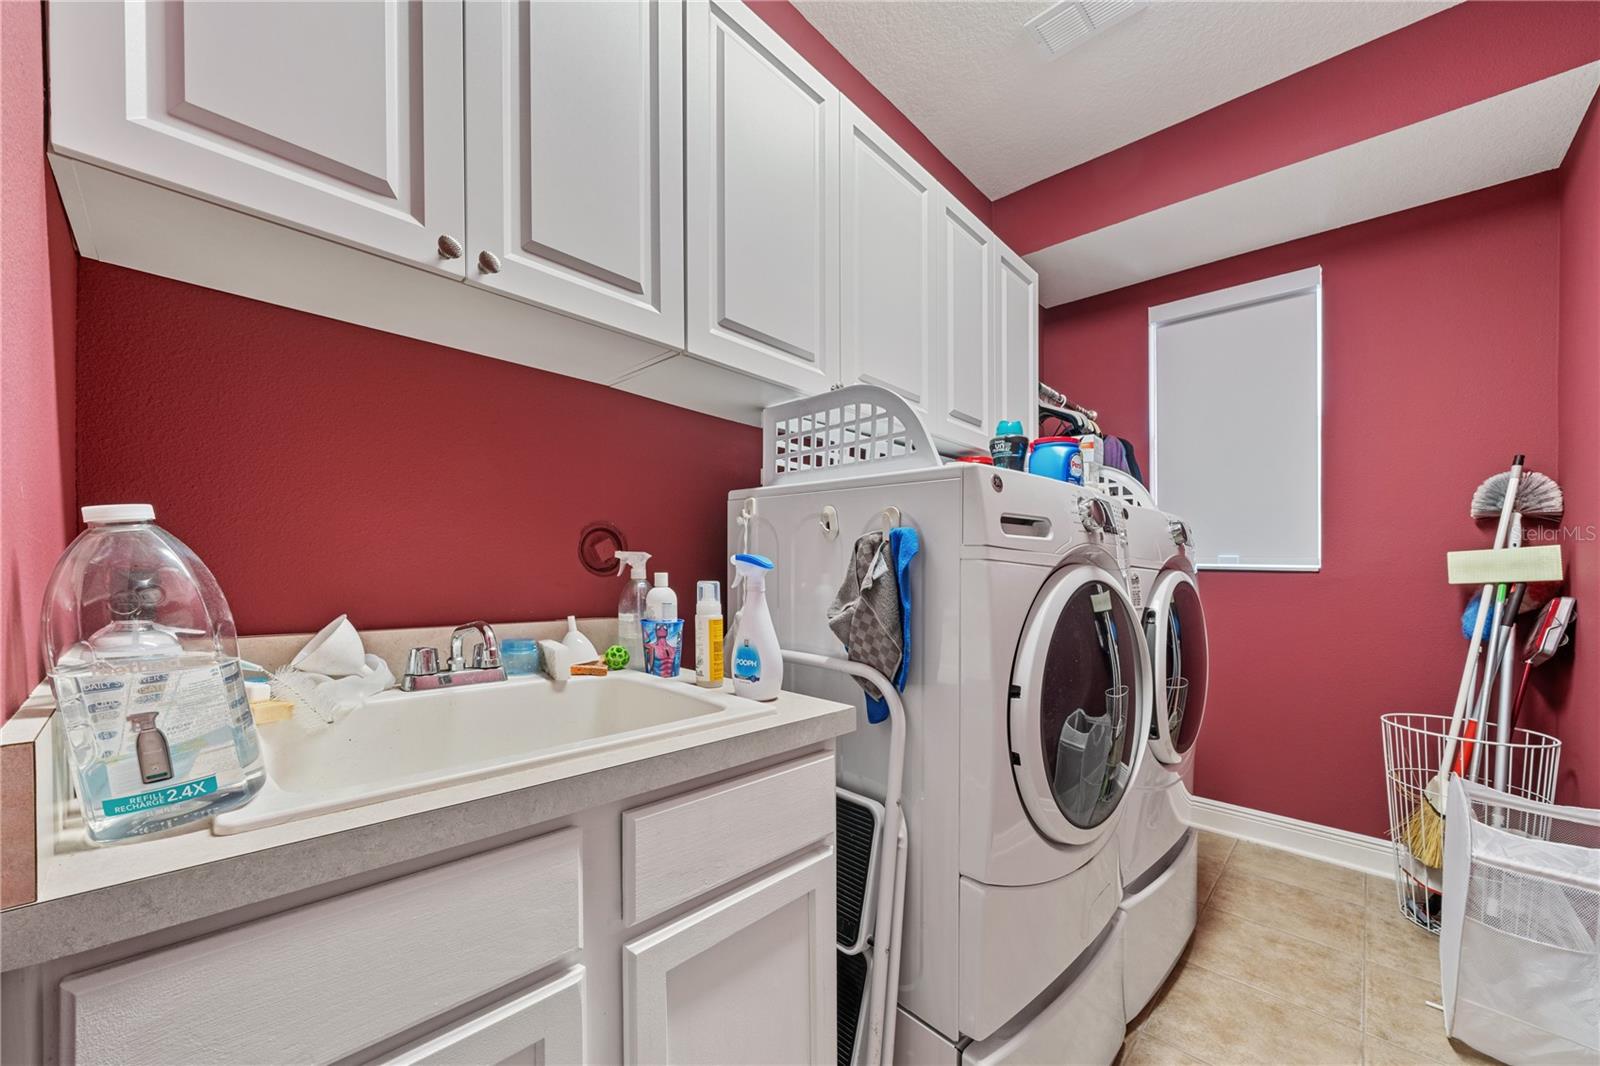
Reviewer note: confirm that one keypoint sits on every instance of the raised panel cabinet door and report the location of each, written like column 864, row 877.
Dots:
column 763, row 201
column 322, row 982
column 575, row 159
column 747, row 978
column 886, row 267
column 340, row 117
column 1017, row 368
column 544, row 1026
column 964, row 362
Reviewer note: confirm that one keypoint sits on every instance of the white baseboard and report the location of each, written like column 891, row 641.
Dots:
column 1341, row 847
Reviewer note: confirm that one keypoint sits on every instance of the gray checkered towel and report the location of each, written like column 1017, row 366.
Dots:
column 865, row 613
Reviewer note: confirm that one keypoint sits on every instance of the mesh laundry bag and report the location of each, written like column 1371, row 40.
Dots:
column 1519, row 944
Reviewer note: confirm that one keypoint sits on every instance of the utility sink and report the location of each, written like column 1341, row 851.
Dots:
column 402, row 743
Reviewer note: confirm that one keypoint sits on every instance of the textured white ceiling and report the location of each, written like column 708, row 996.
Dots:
column 969, row 75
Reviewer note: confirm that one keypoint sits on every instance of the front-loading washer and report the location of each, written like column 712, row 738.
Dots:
column 1026, row 707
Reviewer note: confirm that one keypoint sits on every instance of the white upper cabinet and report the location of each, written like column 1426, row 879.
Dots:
column 1017, row 370
column 344, row 119
column 763, row 201
column 575, row 159
column 964, row 361
column 671, row 170
column 886, row 264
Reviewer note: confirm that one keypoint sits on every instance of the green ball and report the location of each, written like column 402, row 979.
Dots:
column 617, row 657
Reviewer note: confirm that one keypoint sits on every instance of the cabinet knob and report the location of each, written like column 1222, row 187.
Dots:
column 488, row 262
column 449, row 247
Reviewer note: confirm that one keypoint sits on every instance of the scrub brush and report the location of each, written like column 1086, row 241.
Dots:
column 1538, row 496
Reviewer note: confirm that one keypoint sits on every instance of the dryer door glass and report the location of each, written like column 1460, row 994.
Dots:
column 1175, row 630
column 1078, row 715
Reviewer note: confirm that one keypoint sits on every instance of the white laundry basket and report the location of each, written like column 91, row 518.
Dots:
column 1519, row 941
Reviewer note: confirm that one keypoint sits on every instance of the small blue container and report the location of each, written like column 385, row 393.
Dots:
column 1057, row 457
column 520, row 656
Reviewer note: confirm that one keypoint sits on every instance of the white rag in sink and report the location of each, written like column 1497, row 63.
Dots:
column 331, row 676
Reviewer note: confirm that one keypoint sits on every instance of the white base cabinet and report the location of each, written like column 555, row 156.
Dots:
column 544, row 1026
column 747, row 979
column 589, row 941
column 728, row 229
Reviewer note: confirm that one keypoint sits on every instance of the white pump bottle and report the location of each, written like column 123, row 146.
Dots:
column 757, row 659
column 631, row 607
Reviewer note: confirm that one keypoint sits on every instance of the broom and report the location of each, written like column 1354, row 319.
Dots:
column 1424, row 829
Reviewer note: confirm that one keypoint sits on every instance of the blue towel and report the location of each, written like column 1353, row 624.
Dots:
column 903, row 547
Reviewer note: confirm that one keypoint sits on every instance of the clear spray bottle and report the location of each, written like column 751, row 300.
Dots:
column 631, row 607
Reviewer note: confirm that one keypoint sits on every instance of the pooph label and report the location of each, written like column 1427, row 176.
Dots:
column 747, row 663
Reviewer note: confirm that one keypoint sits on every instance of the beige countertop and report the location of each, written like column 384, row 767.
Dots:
column 90, row 896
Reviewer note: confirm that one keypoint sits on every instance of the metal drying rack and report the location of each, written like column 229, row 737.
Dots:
column 883, row 996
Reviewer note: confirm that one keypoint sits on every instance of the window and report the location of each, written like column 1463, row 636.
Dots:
column 1236, row 421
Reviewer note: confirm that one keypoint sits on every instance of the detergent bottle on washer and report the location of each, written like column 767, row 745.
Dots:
column 757, row 660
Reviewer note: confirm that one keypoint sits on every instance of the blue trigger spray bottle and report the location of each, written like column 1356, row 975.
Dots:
column 757, row 666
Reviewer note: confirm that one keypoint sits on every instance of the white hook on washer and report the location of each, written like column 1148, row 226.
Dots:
column 829, row 521
column 747, row 514
column 891, row 517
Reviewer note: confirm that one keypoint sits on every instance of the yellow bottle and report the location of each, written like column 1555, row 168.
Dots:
column 708, row 634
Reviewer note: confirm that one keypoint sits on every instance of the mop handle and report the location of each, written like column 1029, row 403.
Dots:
column 1463, row 693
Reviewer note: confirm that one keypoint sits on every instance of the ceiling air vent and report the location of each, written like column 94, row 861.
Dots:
column 1067, row 25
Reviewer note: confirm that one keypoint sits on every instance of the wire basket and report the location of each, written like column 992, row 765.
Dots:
column 1524, row 765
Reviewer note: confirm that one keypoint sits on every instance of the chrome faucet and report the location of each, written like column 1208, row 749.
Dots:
column 422, row 665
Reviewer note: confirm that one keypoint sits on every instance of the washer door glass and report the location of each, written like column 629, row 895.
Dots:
column 1080, row 713
column 1175, row 630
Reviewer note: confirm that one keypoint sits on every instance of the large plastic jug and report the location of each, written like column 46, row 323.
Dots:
column 140, row 648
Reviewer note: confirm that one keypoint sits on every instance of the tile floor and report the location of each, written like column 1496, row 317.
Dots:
column 1295, row 961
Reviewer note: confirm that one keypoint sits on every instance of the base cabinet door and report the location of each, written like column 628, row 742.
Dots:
column 328, row 980
column 747, row 978
column 575, row 159
column 543, row 1026
column 763, row 201
column 1017, row 339
column 343, row 119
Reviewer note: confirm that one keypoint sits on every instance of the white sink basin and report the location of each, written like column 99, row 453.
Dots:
column 407, row 742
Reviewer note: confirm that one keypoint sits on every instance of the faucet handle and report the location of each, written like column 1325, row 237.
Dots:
column 422, row 661
column 485, row 657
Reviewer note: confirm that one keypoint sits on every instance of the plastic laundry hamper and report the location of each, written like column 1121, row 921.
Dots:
column 1519, row 940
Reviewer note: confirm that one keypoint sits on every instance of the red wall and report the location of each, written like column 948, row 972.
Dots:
column 1570, row 688
column 1456, row 57
column 320, row 467
column 1440, row 357
column 37, row 288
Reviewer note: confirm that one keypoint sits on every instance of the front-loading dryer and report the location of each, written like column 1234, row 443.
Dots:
column 1158, row 851
column 1027, row 711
